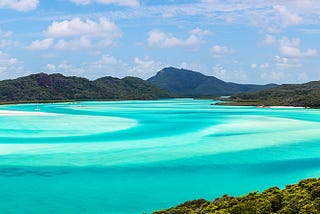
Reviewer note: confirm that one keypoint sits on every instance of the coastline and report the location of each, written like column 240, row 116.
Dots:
column 280, row 107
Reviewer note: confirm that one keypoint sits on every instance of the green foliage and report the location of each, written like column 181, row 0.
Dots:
column 42, row 87
column 190, row 83
column 301, row 198
column 306, row 95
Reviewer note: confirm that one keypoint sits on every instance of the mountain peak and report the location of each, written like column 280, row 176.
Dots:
column 179, row 70
column 187, row 82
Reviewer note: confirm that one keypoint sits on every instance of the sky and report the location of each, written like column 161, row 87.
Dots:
column 242, row 41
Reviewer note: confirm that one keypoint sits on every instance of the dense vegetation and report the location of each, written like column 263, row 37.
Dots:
column 190, row 83
column 306, row 95
column 41, row 87
column 301, row 198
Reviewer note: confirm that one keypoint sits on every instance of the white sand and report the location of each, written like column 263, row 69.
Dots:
column 23, row 113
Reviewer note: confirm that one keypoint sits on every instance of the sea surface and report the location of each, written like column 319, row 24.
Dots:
column 131, row 157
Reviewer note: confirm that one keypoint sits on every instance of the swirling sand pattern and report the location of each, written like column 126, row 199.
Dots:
column 136, row 156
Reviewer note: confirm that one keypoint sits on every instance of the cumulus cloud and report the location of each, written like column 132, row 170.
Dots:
column 160, row 39
column 220, row 72
column 288, row 18
column 74, row 44
column 220, row 51
column 77, row 34
column 200, row 32
column 6, row 40
column 19, row 5
column 268, row 40
column 145, row 67
column 127, row 3
column 51, row 68
column 290, row 48
column 229, row 75
column 44, row 44
column 89, row 28
column 10, row 67
column 284, row 62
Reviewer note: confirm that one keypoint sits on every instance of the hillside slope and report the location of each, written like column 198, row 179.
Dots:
column 306, row 95
column 42, row 86
column 303, row 197
column 187, row 82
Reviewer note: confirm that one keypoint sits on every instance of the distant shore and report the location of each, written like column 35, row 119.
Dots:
column 259, row 104
column 262, row 106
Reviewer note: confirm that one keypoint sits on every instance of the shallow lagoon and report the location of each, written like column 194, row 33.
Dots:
column 139, row 156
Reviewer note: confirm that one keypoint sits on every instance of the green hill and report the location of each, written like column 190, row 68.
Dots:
column 42, row 87
column 191, row 83
column 306, row 95
column 301, row 198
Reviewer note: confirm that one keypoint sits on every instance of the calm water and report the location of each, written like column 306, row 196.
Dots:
column 139, row 156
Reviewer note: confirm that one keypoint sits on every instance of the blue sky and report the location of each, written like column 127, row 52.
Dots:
column 244, row 41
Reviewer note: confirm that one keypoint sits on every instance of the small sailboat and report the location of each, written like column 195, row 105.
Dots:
column 37, row 108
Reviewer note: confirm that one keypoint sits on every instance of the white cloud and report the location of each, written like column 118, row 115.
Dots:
column 145, row 67
column 195, row 67
column 220, row 51
column 6, row 41
column 288, row 18
column 274, row 76
column 127, row 3
column 74, row 44
column 51, row 68
column 200, row 32
column 229, row 75
column 76, row 34
column 160, row 39
column 81, row 2
column 290, row 48
column 88, row 28
column 107, row 65
column 19, row 5
column 44, row 44
column 10, row 67
column 253, row 66
column 220, row 72
column 67, row 69
column 284, row 62
column 269, row 40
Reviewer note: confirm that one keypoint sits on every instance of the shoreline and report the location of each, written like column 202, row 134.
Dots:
column 280, row 107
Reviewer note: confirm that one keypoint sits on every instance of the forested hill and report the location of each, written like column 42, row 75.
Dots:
column 306, row 95
column 303, row 197
column 191, row 83
column 41, row 87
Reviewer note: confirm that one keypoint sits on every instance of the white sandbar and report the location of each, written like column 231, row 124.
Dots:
column 23, row 113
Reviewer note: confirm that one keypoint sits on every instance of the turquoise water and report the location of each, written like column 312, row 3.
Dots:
column 139, row 156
